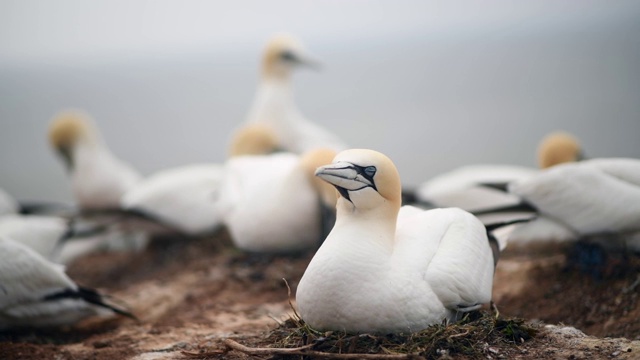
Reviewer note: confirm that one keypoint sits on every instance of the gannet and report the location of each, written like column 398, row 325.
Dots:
column 37, row 293
column 482, row 189
column 274, row 104
column 184, row 198
column 471, row 187
column 98, row 178
column 45, row 234
column 272, row 202
column 386, row 268
column 40, row 233
column 187, row 198
column 593, row 196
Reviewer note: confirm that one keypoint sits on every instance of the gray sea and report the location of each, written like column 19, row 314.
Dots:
column 430, row 101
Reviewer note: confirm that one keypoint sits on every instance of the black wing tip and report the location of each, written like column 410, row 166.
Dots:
column 501, row 186
column 497, row 225
column 495, row 248
column 94, row 297
column 520, row 207
column 91, row 296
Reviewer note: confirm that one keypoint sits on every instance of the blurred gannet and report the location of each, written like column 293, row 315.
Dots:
column 481, row 189
column 40, row 233
column 272, row 202
column 473, row 187
column 274, row 103
column 187, row 198
column 384, row 268
column 98, row 178
column 184, row 198
column 44, row 233
column 37, row 293
column 596, row 196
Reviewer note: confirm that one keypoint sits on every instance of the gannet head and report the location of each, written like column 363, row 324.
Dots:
column 365, row 178
column 69, row 128
column 557, row 148
column 310, row 161
column 282, row 54
column 253, row 139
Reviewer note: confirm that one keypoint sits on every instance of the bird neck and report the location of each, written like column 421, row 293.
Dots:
column 375, row 227
column 274, row 97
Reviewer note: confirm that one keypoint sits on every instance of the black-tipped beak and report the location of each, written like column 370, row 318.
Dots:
column 343, row 175
column 65, row 154
column 310, row 63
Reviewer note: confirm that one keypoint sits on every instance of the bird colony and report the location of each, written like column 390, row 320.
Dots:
column 382, row 264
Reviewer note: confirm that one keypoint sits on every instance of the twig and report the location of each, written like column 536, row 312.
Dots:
column 632, row 286
column 295, row 313
column 495, row 309
column 458, row 335
column 303, row 351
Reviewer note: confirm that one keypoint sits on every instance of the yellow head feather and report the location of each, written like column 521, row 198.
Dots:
column 253, row 139
column 69, row 126
column 387, row 178
column 310, row 161
column 281, row 53
column 557, row 148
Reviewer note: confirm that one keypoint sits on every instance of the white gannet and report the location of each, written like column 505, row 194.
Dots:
column 45, row 234
column 98, row 178
column 470, row 187
column 274, row 103
column 37, row 293
column 184, row 198
column 187, row 198
column 272, row 202
column 384, row 268
column 595, row 196
column 482, row 188
column 38, row 232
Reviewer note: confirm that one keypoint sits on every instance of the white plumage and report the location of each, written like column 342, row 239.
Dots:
column 270, row 203
column 389, row 269
column 185, row 198
column 40, row 233
column 590, row 197
column 98, row 178
column 37, row 293
column 274, row 104
column 463, row 188
column 470, row 188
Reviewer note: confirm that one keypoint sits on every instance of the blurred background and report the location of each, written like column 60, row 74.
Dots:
column 434, row 85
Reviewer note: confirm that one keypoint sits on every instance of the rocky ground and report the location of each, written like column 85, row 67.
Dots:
column 189, row 296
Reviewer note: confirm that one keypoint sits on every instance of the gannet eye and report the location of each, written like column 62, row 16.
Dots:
column 370, row 171
column 288, row 56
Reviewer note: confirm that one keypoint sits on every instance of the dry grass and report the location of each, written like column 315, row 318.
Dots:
column 473, row 336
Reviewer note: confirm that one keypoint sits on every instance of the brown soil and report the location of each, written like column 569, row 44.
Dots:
column 191, row 295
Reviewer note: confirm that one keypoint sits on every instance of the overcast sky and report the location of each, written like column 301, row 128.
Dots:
column 79, row 30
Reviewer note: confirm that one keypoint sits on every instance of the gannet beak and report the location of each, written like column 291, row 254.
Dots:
column 343, row 175
column 308, row 61
column 65, row 153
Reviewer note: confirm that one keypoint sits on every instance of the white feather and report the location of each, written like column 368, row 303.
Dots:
column 388, row 269
column 269, row 204
column 592, row 196
column 25, row 279
column 185, row 197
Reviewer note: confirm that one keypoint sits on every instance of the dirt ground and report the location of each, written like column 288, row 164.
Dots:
column 191, row 295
